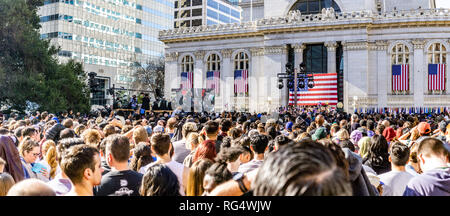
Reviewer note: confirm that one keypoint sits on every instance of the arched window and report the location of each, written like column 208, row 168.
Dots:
column 187, row 64
column 187, row 72
column 400, row 69
column 241, row 66
column 213, row 73
column 241, row 61
column 437, row 67
column 213, row 62
column 314, row 6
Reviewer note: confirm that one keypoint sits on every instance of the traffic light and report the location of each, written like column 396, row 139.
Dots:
column 280, row 83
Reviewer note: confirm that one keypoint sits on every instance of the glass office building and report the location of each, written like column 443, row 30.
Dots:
column 190, row 13
column 107, row 36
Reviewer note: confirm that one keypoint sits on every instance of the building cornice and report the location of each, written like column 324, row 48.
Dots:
column 296, row 22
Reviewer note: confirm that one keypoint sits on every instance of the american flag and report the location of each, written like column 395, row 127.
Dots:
column 240, row 81
column 213, row 80
column 186, row 80
column 400, row 77
column 436, row 77
column 324, row 91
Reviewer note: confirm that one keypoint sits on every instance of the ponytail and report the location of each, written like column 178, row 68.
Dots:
column 50, row 157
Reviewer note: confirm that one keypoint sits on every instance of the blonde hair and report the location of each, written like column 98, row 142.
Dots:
column 6, row 182
column 50, row 157
column 414, row 135
column 140, row 135
column 193, row 138
column 342, row 134
column 46, row 146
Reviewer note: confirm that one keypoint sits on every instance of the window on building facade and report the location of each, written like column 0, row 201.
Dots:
column 185, row 3
column 241, row 61
column 196, row 2
column 187, row 64
column 315, row 57
column 197, row 22
column 400, row 69
column 213, row 62
column 314, row 6
column 437, row 68
column 197, row 12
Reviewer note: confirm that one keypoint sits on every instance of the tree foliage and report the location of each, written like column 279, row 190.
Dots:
column 29, row 70
column 150, row 76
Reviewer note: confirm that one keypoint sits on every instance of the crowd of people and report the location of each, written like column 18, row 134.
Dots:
column 314, row 151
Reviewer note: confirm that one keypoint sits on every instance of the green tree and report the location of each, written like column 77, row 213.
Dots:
column 29, row 70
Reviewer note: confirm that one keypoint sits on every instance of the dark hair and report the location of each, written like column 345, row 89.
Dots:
column 219, row 173
column 118, row 146
column 370, row 125
column 141, row 157
column 67, row 133
column 211, row 127
column 259, row 143
column 305, row 169
column 339, row 155
column 76, row 160
column 69, row 142
column 281, row 140
column 378, row 151
column 160, row 143
column 28, row 131
column 225, row 125
column 399, row 154
column 272, row 132
column 229, row 154
column 235, row 133
column 159, row 180
column 347, row 144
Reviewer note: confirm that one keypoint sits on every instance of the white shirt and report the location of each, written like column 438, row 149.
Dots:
column 176, row 168
column 396, row 181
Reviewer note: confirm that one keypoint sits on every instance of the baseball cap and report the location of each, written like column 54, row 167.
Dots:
column 424, row 128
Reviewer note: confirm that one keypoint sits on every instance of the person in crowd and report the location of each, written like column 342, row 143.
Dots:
column 92, row 137
column 6, row 182
column 215, row 175
column 159, row 180
column 207, row 149
column 82, row 165
column 191, row 144
column 258, row 145
column 433, row 158
column 142, row 156
column 29, row 152
column 49, row 160
column 364, row 146
column 161, row 146
column 11, row 155
column 120, row 181
column 196, row 176
column 378, row 155
column 181, row 148
column 31, row 187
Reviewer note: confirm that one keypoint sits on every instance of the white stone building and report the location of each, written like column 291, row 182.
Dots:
column 358, row 39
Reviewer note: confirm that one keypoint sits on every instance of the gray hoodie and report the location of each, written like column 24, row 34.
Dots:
column 360, row 182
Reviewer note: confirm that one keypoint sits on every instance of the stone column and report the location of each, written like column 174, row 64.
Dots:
column 226, row 80
column 331, row 58
column 199, row 74
column 355, row 72
column 382, row 68
column 171, row 80
column 274, row 63
column 419, row 72
column 257, row 81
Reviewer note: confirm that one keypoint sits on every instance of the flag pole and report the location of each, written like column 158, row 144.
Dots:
column 251, row 10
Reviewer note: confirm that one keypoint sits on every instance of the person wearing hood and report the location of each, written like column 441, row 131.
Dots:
column 361, row 184
column 433, row 158
column 355, row 136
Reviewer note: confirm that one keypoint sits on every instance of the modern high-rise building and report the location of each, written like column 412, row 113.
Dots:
column 190, row 13
column 107, row 36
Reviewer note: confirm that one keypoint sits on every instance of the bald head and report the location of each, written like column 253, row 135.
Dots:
column 386, row 123
column 31, row 187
